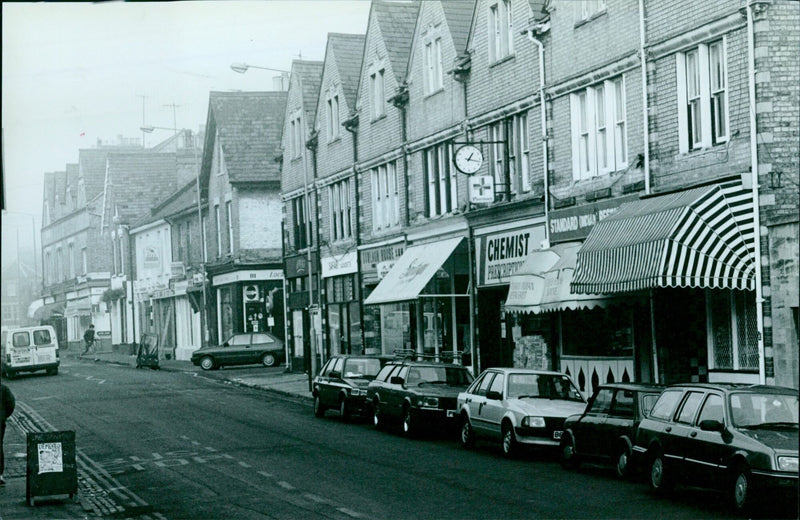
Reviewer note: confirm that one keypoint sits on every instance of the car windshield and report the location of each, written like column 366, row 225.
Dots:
column 451, row 376
column 361, row 368
column 545, row 386
column 752, row 410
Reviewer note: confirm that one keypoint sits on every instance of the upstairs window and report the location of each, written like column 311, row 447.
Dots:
column 340, row 210
column 299, row 223
column 84, row 261
column 385, row 197
column 72, row 260
column 501, row 30
column 511, row 143
column 296, row 137
column 599, row 140
column 702, row 96
column 59, row 265
column 433, row 66
column 440, row 178
column 229, row 211
column 333, row 117
column 218, row 223
column 590, row 8
column 377, row 93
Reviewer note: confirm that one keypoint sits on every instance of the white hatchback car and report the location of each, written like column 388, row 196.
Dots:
column 518, row 406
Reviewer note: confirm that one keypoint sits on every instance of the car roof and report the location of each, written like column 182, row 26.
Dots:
column 410, row 362
column 509, row 370
column 636, row 387
column 737, row 387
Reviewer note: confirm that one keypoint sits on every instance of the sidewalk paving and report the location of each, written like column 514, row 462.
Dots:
column 12, row 494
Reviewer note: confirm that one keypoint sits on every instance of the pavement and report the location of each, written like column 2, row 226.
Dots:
column 13, row 505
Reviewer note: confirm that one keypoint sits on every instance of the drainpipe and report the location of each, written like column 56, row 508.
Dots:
column 357, row 230
column 646, row 136
column 751, row 73
column 539, row 29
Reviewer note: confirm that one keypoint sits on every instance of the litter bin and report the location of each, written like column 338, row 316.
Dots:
column 51, row 465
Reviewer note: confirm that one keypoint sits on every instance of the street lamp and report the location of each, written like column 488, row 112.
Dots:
column 241, row 68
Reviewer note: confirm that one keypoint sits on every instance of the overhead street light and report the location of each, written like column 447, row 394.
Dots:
column 241, row 68
column 149, row 129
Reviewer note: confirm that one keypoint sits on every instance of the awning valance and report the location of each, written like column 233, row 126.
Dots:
column 47, row 311
column 412, row 272
column 701, row 237
column 542, row 283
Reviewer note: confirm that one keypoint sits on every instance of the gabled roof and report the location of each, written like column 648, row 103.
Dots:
column 397, row 22
column 249, row 125
column 92, row 166
column 185, row 198
column 458, row 14
column 310, row 75
column 138, row 180
column 347, row 51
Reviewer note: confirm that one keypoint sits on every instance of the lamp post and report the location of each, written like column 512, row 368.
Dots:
column 33, row 236
column 203, row 316
column 241, row 68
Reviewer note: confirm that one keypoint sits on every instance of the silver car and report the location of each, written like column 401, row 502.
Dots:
column 517, row 406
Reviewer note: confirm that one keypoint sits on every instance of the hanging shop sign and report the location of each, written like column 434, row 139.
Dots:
column 377, row 262
column 249, row 275
column 297, row 265
column 501, row 249
column 481, row 189
column 340, row 265
column 576, row 222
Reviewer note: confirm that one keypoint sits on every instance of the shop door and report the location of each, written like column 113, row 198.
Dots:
column 494, row 326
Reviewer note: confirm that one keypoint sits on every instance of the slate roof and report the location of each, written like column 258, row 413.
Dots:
column 310, row 73
column 249, row 126
column 92, row 165
column 397, row 22
column 177, row 202
column 137, row 181
column 458, row 14
column 347, row 51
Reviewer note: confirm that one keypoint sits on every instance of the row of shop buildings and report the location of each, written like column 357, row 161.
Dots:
column 605, row 188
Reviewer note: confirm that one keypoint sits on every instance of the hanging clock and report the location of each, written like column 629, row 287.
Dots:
column 468, row 159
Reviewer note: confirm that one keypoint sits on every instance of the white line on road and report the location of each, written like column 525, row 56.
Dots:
column 349, row 512
column 286, row 485
column 245, row 465
column 265, row 474
column 43, row 398
column 315, row 498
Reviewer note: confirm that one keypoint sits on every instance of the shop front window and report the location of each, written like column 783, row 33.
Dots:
column 732, row 330
column 226, row 313
column 597, row 332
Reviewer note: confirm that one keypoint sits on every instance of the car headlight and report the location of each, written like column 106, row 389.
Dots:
column 358, row 391
column 787, row 463
column 533, row 422
column 429, row 402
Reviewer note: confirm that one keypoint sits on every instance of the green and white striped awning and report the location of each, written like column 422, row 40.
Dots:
column 701, row 237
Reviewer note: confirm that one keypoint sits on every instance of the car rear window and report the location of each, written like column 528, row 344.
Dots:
column 665, row 406
column 623, row 404
column 21, row 339
column 262, row 338
column 361, row 367
column 689, row 408
column 42, row 337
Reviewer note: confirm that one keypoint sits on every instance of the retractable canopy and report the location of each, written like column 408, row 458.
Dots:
column 702, row 238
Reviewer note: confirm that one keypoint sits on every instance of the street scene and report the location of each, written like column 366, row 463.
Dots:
column 400, row 259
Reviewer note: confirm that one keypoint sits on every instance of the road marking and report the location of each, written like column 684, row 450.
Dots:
column 286, row 485
column 315, row 498
column 209, row 448
column 265, row 474
column 245, row 465
column 349, row 512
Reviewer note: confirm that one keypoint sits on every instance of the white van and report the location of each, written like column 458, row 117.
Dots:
column 29, row 349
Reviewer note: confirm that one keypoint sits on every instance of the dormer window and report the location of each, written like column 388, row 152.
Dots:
column 377, row 93
column 501, row 33
column 332, row 114
column 433, row 66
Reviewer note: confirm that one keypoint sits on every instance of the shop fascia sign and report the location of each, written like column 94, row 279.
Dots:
column 340, row 265
column 576, row 222
column 248, row 276
column 500, row 250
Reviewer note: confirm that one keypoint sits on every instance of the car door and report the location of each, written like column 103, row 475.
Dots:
column 477, row 400
column 707, row 451
column 238, row 350
column 261, row 344
column 333, row 382
column 676, row 434
column 396, row 391
column 492, row 410
column 589, row 429
column 619, row 421
column 321, row 381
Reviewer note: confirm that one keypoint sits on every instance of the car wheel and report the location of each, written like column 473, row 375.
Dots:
column 467, row 433
column 660, row 481
column 377, row 418
column 319, row 410
column 509, row 441
column 268, row 359
column 409, row 422
column 344, row 409
column 622, row 462
column 741, row 495
column 568, row 457
column 207, row 363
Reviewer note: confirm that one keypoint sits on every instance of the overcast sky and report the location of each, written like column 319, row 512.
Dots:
column 76, row 73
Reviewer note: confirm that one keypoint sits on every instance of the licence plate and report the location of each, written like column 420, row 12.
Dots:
column 21, row 360
column 46, row 358
column 557, row 434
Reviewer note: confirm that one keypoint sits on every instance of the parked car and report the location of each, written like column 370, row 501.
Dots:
column 28, row 349
column 417, row 392
column 737, row 438
column 606, row 430
column 241, row 349
column 517, row 406
column 342, row 384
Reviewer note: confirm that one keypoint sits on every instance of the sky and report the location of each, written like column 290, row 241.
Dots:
column 73, row 73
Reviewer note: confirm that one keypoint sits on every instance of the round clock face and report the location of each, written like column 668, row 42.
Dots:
column 468, row 159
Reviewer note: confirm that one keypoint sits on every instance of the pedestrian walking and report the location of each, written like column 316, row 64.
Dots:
column 7, row 404
column 88, row 338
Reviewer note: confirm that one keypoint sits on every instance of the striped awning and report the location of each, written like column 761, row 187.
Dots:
column 701, row 237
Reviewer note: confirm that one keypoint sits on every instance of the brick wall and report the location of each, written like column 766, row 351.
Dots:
column 259, row 222
column 333, row 155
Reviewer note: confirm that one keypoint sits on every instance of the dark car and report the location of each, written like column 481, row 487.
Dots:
column 241, row 349
column 342, row 384
column 606, row 430
column 417, row 392
column 741, row 439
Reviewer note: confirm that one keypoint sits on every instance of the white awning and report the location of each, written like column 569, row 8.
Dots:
column 412, row 272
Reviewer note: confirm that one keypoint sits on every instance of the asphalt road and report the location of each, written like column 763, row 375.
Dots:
column 184, row 445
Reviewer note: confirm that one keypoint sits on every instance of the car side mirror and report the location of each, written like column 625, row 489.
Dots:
column 397, row 380
column 333, row 374
column 711, row 425
column 494, row 395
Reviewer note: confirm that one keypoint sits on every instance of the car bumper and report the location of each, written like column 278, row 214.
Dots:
column 774, row 480
column 537, row 436
column 30, row 368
